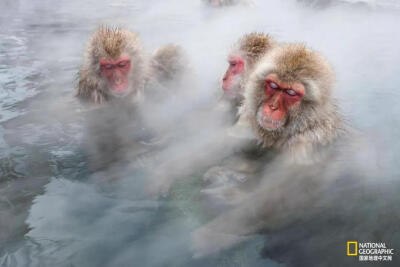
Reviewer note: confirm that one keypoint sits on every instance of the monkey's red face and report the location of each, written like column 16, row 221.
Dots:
column 231, row 80
column 116, row 73
column 280, row 99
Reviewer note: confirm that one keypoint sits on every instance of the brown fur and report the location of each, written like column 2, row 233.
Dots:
column 289, row 191
column 110, row 43
column 168, row 62
column 251, row 47
column 311, row 124
column 254, row 46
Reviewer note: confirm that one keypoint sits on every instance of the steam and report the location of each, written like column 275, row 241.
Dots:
column 144, row 208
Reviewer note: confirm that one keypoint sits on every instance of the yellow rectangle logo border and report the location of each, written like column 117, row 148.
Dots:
column 348, row 248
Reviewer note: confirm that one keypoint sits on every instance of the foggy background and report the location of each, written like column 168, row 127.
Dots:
column 54, row 211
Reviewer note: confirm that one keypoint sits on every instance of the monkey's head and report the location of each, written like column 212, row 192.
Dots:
column 290, row 93
column 242, row 59
column 168, row 62
column 114, row 58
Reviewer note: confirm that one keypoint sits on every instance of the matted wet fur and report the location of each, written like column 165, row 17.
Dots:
column 168, row 62
column 315, row 122
column 110, row 43
column 251, row 48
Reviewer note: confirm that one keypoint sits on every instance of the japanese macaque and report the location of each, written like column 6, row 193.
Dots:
column 168, row 68
column 117, row 72
column 242, row 60
column 114, row 66
column 289, row 105
column 288, row 109
column 168, row 63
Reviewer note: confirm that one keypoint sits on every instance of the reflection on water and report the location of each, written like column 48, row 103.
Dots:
column 18, row 78
column 55, row 212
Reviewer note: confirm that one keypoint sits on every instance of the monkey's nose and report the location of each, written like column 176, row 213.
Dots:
column 224, row 79
column 273, row 107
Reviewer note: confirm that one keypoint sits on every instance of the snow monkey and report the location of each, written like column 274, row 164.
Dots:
column 242, row 59
column 168, row 62
column 114, row 66
column 116, row 71
column 289, row 104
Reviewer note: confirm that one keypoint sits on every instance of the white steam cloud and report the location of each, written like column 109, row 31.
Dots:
column 143, row 210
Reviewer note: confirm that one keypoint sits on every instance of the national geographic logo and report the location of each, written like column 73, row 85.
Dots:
column 368, row 251
column 351, row 248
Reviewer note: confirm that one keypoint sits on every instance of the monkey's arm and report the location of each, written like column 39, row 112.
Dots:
column 88, row 89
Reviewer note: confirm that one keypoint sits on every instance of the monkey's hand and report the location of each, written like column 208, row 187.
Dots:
column 224, row 187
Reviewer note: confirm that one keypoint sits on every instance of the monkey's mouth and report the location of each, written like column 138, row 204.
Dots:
column 227, row 88
column 267, row 123
column 119, row 86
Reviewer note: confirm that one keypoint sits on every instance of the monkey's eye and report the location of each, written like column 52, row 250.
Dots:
column 273, row 85
column 122, row 64
column 108, row 66
column 233, row 63
column 291, row 92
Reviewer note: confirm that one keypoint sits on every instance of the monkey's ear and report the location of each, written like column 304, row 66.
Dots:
column 313, row 93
